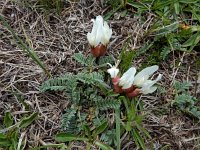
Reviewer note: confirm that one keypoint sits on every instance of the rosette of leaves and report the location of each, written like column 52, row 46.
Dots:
column 184, row 100
column 89, row 96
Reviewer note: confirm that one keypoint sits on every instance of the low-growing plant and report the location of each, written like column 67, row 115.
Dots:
column 133, row 122
column 9, row 131
column 184, row 100
column 90, row 97
column 92, row 100
column 101, row 109
column 171, row 29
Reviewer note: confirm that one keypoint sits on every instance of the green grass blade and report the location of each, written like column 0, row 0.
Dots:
column 31, row 53
column 103, row 146
column 109, row 14
column 66, row 137
column 28, row 120
column 177, row 8
column 117, row 116
column 138, row 139
column 61, row 146
column 166, row 29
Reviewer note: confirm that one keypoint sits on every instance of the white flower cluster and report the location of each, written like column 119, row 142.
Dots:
column 140, row 80
column 99, row 39
column 101, row 33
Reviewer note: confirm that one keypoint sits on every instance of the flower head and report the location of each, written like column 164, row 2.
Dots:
column 134, row 85
column 101, row 33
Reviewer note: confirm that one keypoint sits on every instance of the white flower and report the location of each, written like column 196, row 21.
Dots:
column 113, row 71
column 148, row 87
column 126, row 81
column 141, row 80
column 101, row 33
column 142, row 77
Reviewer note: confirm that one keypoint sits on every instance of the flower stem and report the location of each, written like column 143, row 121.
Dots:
column 117, row 119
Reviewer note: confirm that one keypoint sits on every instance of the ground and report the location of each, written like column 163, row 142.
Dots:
column 55, row 38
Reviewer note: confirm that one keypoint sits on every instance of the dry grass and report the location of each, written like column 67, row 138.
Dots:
column 55, row 38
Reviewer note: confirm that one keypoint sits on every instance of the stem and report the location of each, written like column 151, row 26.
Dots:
column 126, row 104
column 117, row 118
column 88, row 146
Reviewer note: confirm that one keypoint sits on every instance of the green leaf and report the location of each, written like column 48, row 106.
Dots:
column 106, row 59
column 8, row 120
column 138, row 139
column 90, row 60
column 61, row 146
column 110, row 13
column 195, row 111
column 161, row 4
column 146, row 133
column 66, row 82
column 91, row 78
column 117, row 120
column 2, row 136
column 86, row 61
column 195, row 28
column 65, row 137
column 14, row 139
column 21, row 100
column 188, row 1
column 144, row 48
column 126, row 58
column 164, row 53
column 103, row 146
column 193, row 40
column 28, row 120
column 107, row 103
column 184, row 101
column 137, row 5
column 177, row 7
column 69, row 121
column 79, row 57
column 4, row 143
column 87, row 130
column 182, row 86
column 100, row 129
column 166, row 29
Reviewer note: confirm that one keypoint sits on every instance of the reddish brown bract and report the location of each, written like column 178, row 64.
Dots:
column 99, row 50
column 130, row 92
column 134, row 93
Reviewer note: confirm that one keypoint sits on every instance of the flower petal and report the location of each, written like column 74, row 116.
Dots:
column 148, row 87
column 113, row 72
column 152, row 82
column 143, row 75
column 99, row 35
column 127, row 79
column 91, row 39
column 147, row 90
column 107, row 32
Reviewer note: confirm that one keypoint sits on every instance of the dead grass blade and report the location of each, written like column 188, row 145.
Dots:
column 27, row 49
